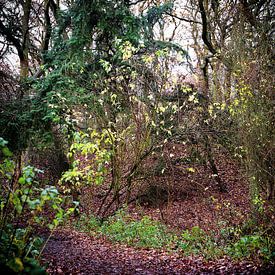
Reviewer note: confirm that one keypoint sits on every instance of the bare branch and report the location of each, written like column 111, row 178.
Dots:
column 205, row 34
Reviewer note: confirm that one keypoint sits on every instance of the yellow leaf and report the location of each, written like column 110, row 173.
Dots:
column 192, row 170
column 17, row 266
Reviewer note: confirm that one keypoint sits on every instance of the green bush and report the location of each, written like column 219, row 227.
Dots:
column 196, row 241
column 249, row 246
column 143, row 233
column 22, row 205
column 18, row 255
column 122, row 228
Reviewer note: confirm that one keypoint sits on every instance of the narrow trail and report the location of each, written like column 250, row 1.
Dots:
column 71, row 252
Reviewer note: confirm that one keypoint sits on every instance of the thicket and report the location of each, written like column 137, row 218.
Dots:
column 26, row 204
column 104, row 103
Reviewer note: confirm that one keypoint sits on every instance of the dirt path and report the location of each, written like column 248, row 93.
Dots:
column 70, row 252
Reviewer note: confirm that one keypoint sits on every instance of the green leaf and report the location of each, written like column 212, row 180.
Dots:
column 6, row 152
column 21, row 180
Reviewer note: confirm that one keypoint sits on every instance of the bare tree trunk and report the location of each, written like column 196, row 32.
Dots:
column 227, row 93
column 205, row 126
column 24, row 56
column 216, row 82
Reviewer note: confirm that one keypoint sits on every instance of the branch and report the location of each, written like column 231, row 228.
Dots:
column 54, row 8
column 205, row 35
column 48, row 28
column 134, row 3
column 182, row 18
column 7, row 33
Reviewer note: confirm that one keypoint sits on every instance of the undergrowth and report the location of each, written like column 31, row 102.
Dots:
column 148, row 233
column 123, row 229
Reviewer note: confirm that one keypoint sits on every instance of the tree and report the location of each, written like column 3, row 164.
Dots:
column 231, row 33
column 26, row 27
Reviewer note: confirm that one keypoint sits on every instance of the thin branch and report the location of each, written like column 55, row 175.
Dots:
column 205, row 34
column 182, row 18
column 8, row 34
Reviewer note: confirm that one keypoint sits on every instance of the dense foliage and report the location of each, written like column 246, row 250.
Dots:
column 98, row 102
column 23, row 205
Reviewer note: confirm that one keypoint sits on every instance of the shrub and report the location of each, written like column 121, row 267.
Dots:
column 22, row 205
column 196, row 241
column 251, row 246
column 122, row 228
column 142, row 233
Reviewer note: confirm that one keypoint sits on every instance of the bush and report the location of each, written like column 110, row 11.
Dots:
column 142, row 233
column 122, row 228
column 251, row 246
column 22, row 206
column 196, row 241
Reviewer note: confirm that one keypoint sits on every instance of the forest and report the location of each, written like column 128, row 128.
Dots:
column 137, row 137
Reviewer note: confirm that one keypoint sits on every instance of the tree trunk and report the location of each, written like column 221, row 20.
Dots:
column 24, row 57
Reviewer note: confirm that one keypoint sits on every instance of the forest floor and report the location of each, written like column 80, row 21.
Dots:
column 71, row 252
column 194, row 200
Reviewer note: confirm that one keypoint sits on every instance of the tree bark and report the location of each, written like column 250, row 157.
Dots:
column 24, row 56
